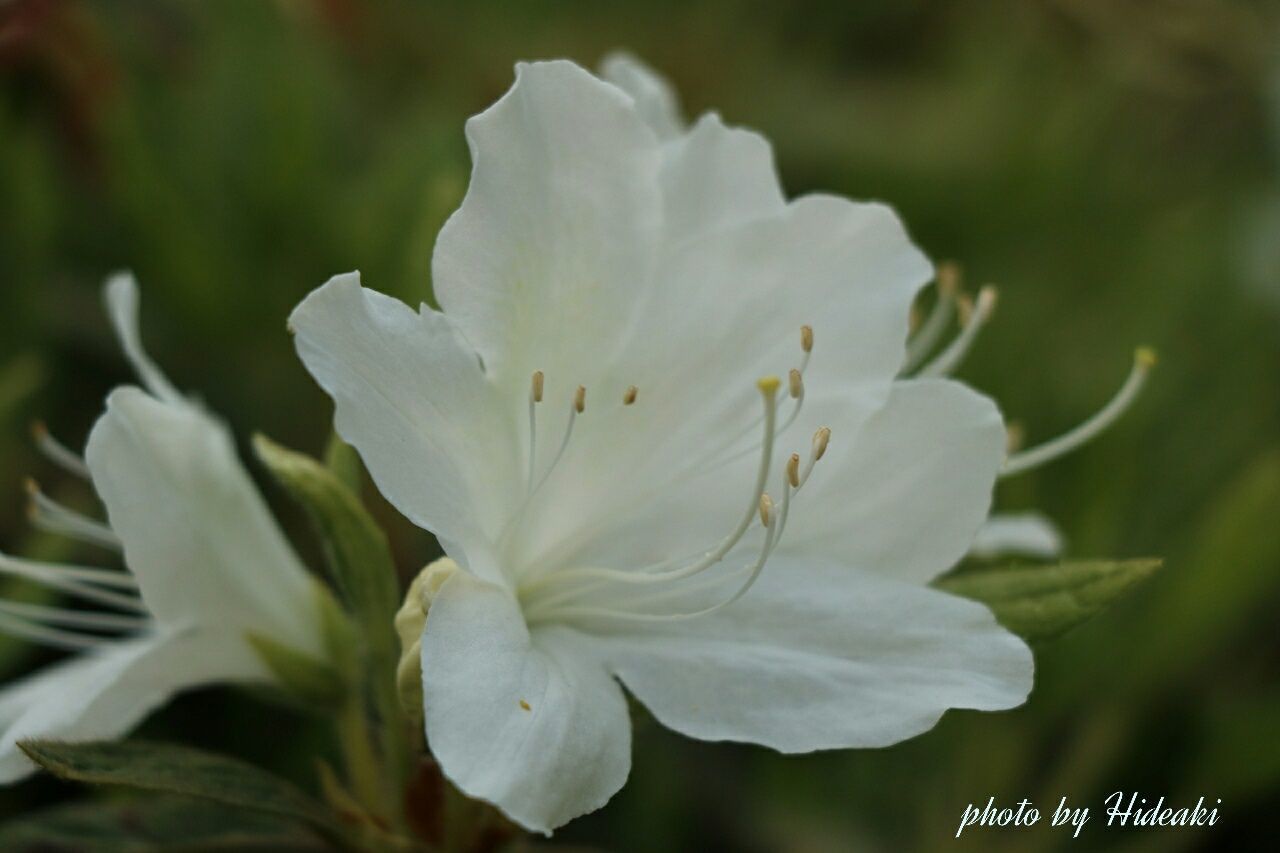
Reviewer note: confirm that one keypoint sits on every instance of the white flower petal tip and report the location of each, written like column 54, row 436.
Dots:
column 655, row 99
column 1023, row 534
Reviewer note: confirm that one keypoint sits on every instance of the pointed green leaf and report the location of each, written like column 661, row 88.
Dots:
column 172, row 769
column 1037, row 602
column 169, row 823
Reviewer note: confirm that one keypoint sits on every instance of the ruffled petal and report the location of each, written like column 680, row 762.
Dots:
column 531, row 723
column 821, row 656
column 196, row 533
column 656, row 101
column 904, row 495
column 103, row 694
column 410, row 395
column 542, row 264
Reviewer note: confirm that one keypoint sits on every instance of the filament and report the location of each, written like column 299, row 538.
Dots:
column 949, row 359
column 1144, row 359
column 940, row 316
column 57, row 452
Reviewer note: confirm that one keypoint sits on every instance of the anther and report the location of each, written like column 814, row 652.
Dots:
column 820, row 439
column 948, row 279
column 536, row 386
column 793, row 470
column 1014, row 437
column 806, row 338
column 580, row 399
column 796, row 383
column 630, row 397
column 766, row 509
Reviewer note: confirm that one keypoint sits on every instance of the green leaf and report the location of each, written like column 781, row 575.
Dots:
column 1038, row 602
column 172, row 769
column 157, row 823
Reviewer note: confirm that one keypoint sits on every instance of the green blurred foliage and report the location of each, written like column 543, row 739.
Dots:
column 1113, row 166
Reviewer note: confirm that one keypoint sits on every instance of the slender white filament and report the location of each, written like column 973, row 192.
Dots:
column 930, row 333
column 74, row 618
column 951, row 357
column 51, row 516
column 79, row 581
column 57, row 638
column 58, row 453
column 1033, row 457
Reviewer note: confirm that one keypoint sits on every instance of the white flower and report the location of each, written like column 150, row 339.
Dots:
column 207, row 566
column 592, row 430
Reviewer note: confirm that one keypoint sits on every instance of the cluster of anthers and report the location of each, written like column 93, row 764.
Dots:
column 573, row 593
column 64, row 627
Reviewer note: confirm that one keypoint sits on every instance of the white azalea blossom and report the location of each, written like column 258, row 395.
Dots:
column 206, row 568
column 660, row 430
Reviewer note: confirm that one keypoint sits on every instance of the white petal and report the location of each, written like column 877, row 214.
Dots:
column 121, row 297
column 722, row 312
column 656, row 100
column 1029, row 534
column 822, row 656
column 411, row 396
column 104, row 694
column 715, row 177
column 196, row 533
column 533, row 724
column 541, row 265
column 905, row 494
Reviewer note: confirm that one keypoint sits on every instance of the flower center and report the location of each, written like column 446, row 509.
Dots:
column 579, row 592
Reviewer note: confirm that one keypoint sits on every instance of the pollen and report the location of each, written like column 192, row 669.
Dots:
column 525, row 706
column 806, row 338
column 535, row 386
column 580, row 399
column 630, row 397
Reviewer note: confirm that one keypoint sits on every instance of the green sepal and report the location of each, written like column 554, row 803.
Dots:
column 1038, row 602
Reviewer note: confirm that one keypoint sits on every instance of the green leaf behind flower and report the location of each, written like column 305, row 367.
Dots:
column 172, row 769
column 157, row 823
column 1038, row 602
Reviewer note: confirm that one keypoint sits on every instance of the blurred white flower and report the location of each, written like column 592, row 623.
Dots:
column 593, row 429
column 207, row 567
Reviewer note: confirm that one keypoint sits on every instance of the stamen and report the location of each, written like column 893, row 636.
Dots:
column 977, row 316
column 74, row 618
column 535, row 397
column 51, row 516
column 58, row 453
column 935, row 326
column 630, row 397
column 57, row 638
column 79, row 581
column 1143, row 360
column 768, row 386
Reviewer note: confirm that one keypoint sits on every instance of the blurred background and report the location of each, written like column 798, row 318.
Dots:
column 1113, row 166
